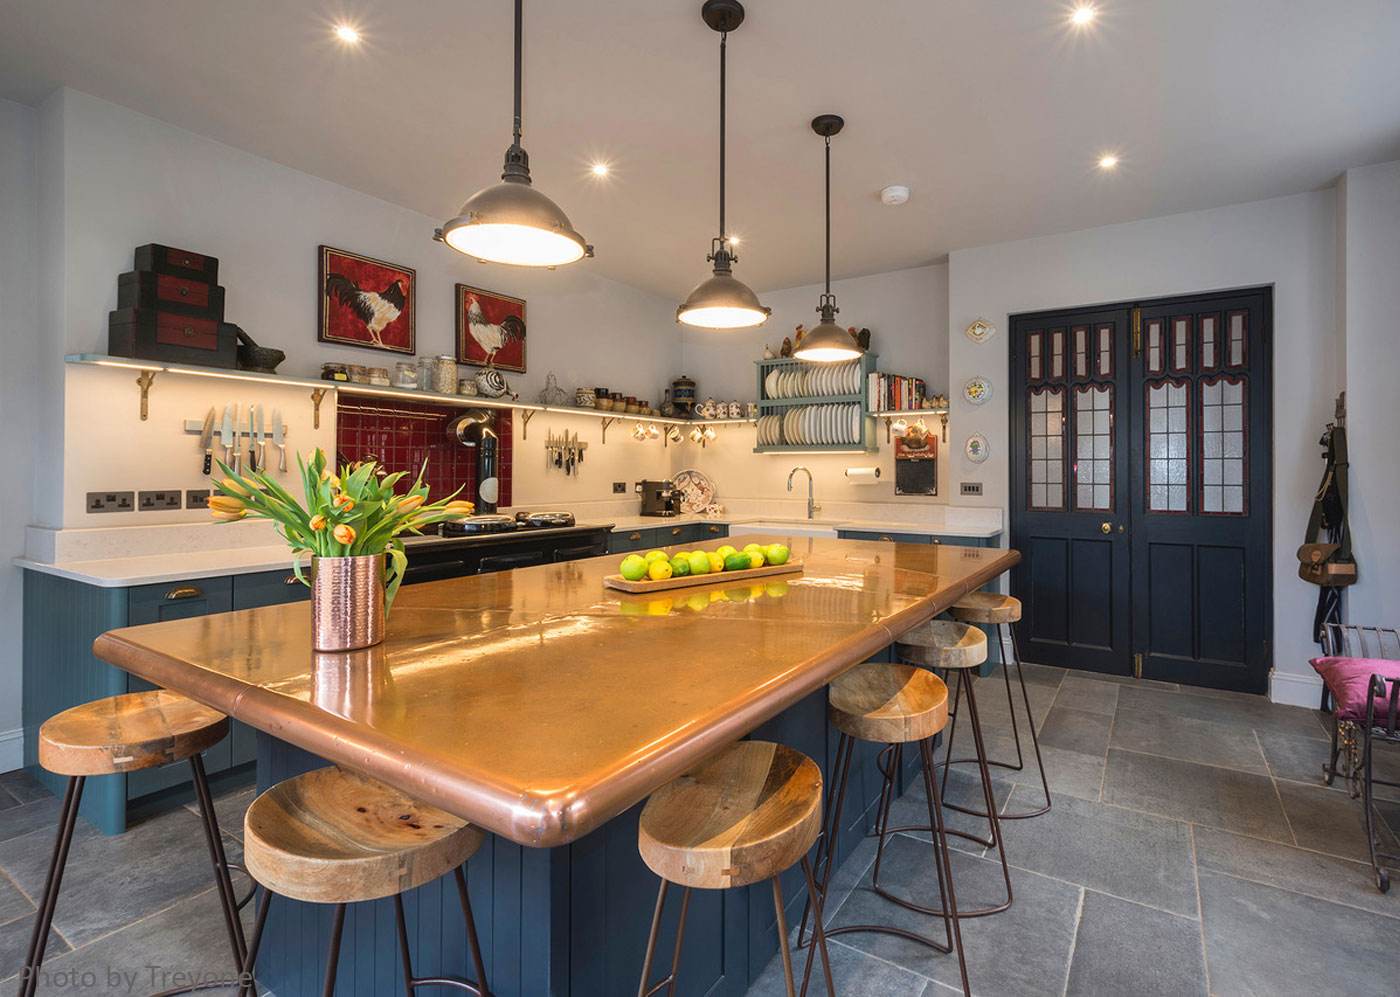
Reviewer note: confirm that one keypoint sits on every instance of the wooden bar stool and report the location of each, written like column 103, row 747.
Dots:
column 1003, row 611
column 139, row 730
column 743, row 815
column 893, row 705
column 333, row 837
column 959, row 648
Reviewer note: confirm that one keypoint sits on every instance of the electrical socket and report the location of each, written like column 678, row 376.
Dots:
column 196, row 498
column 971, row 488
column 156, row 501
column 619, row 488
column 111, row 501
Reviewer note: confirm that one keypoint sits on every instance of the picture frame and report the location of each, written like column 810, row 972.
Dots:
column 490, row 329
column 365, row 302
column 916, row 461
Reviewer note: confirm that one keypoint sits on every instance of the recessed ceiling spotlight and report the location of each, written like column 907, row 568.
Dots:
column 1108, row 162
column 347, row 34
column 1083, row 14
column 600, row 169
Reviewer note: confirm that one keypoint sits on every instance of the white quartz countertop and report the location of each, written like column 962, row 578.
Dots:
column 627, row 523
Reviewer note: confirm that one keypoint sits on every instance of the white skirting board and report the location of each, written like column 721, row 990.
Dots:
column 1295, row 690
column 11, row 749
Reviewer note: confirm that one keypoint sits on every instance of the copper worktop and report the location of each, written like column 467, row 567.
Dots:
column 537, row 704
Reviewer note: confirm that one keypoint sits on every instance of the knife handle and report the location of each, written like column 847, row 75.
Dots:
column 208, row 462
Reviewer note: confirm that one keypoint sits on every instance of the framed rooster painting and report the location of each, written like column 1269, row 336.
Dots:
column 366, row 302
column 490, row 329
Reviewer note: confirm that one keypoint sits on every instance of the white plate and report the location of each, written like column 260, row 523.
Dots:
column 855, row 425
column 829, row 424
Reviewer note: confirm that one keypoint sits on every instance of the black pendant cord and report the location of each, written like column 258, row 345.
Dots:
column 723, row 45
column 519, row 25
column 828, row 216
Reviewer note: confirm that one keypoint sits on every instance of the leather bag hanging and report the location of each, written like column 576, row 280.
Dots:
column 1330, row 563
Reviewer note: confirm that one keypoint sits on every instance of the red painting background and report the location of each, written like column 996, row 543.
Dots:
column 495, row 307
column 339, row 324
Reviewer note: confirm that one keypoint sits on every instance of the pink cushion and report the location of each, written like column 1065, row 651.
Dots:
column 1349, row 679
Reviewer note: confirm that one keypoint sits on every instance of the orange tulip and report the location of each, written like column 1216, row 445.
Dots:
column 226, row 504
column 232, row 487
column 459, row 507
column 344, row 534
column 318, row 522
column 227, row 517
column 410, row 503
column 341, row 499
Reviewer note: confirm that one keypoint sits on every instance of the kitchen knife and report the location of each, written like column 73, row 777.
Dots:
column 226, row 434
column 252, row 448
column 206, row 441
column 260, row 439
column 278, row 440
column 237, row 442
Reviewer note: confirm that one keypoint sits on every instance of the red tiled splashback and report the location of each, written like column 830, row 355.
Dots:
column 402, row 435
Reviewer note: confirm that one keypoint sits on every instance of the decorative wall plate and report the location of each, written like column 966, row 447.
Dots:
column 977, row 390
column 980, row 331
column 976, row 448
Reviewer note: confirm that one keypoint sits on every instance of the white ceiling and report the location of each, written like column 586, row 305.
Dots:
column 993, row 112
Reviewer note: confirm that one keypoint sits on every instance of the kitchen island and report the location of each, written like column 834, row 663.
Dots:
column 544, row 708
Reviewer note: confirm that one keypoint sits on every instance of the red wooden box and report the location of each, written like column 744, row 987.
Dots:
column 177, row 263
column 149, row 334
column 178, row 295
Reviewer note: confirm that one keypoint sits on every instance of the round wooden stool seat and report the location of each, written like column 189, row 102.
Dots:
column 334, row 837
column 943, row 644
column 741, row 816
column 986, row 607
column 888, row 704
column 139, row 730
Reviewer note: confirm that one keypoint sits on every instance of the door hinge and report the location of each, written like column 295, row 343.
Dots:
column 1137, row 665
column 1137, row 332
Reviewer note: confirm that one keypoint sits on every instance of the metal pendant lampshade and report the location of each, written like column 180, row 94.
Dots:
column 511, row 222
column 828, row 342
column 723, row 301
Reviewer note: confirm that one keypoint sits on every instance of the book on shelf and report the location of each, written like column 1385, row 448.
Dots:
column 891, row 392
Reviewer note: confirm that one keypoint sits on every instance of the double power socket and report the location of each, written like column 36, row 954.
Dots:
column 156, row 501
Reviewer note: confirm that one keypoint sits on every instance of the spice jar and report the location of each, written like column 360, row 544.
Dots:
column 427, row 369
column 405, row 375
column 358, row 374
column 334, row 372
column 379, row 376
column 445, row 374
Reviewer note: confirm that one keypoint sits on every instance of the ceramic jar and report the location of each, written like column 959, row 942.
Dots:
column 585, row 397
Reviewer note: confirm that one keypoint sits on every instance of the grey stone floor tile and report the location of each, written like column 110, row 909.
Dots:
column 14, row 945
column 37, row 815
column 963, row 788
column 1125, row 948
column 853, row 973
column 230, row 808
column 23, row 786
column 1070, row 773
column 1262, row 715
column 993, row 709
column 115, row 880
column 1128, row 680
column 1263, row 942
column 13, row 902
column 1323, row 876
column 1022, row 951
column 1131, row 855
column 1076, row 730
column 1201, row 794
column 1046, row 675
column 1093, row 695
column 1297, row 759
column 1228, row 745
column 1329, row 822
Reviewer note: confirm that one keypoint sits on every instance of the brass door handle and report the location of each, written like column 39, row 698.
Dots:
column 885, row 538
column 634, row 536
column 185, row 592
column 714, row 529
column 675, row 531
column 1106, row 527
column 290, row 580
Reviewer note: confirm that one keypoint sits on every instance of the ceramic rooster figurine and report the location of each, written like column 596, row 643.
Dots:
column 786, row 351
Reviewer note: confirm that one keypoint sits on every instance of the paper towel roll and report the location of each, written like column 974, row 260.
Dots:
column 863, row 475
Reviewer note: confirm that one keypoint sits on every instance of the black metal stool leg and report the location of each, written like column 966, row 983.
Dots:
column 246, row 979
column 333, row 956
column 814, row 900
column 670, row 981
column 945, row 864
column 43, row 919
column 477, row 963
column 783, row 948
column 1030, row 720
column 826, row 845
column 405, row 957
column 214, row 837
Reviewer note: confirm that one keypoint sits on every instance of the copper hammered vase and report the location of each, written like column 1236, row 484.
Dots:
column 347, row 602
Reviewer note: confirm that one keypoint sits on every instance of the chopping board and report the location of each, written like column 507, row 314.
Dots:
column 691, row 581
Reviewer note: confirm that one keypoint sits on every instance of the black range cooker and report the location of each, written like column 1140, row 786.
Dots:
column 491, row 542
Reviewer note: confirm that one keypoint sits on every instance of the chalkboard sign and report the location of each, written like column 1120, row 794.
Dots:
column 916, row 462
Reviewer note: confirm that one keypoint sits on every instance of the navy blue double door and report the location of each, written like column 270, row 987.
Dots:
column 1140, row 490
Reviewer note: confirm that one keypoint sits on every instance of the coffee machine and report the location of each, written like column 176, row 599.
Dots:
column 658, row 498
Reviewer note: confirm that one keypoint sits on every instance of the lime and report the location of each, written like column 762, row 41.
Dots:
column 716, row 562
column 659, row 570
column 680, row 567
column 656, row 555
column 699, row 563
column 633, row 568
column 737, row 561
column 752, row 547
column 755, row 558
column 726, row 550
column 776, row 554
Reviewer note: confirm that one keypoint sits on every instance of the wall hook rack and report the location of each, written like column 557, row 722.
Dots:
column 316, row 395
column 889, row 417
column 525, row 416
column 145, row 379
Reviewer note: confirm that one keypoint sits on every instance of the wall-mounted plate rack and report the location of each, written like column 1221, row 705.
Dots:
column 786, row 385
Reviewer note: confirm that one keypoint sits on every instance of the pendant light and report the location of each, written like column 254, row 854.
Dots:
column 722, row 302
column 511, row 222
column 827, row 342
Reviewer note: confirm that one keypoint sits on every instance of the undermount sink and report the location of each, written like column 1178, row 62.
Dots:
column 785, row 527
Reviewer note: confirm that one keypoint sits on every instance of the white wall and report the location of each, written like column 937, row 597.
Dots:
column 128, row 179
column 19, row 285
column 1288, row 242
column 907, row 314
column 1371, row 304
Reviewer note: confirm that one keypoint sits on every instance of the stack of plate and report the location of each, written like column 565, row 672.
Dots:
column 813, row 380
column 811, row 425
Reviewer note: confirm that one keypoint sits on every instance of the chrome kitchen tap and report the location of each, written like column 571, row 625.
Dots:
column 812, row 507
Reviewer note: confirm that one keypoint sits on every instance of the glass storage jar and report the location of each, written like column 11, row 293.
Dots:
column 379, row 376
column 405, row 375
column 426, row 373
column 445, row 374
column 334, row 372
column 358, row 374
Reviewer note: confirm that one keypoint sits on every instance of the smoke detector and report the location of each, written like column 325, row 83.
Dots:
column 896, row 194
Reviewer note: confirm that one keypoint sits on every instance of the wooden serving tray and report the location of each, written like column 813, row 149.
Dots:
column 712, row 578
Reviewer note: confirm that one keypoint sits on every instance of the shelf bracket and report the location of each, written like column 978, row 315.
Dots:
column 316, row 395
column 943, row 418
column 525, row 416
column 144, row 379
column 606, row 424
